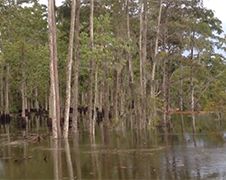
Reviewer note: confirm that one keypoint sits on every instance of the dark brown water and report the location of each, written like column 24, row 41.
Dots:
column 115, row 155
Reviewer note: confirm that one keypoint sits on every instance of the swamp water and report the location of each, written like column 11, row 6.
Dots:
column 117, row 155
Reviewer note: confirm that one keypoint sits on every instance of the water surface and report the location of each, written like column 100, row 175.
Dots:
column 115, row 155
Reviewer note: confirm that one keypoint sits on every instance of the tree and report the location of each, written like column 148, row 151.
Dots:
column 69, row 69
column 53, row 71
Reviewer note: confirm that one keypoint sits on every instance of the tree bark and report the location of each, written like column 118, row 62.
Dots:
column 129, row 40
column 156, row 51
column 76, row 66
column 2, row 90
column 7, row 90
column 36, row 99
column 23, row 85
column 95, row 104
column 192, row 83
column 69, row 70
column 143, row 57
column 92, row 72
column 53, row 70
column 141, row 62
column 181, row 96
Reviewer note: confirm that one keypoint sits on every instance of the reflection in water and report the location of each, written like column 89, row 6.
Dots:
column 76, row 156
column 182, row 123
column 56, row 159
column 95, row 169
column 193, row 123
column 133, row 155
column 68, row 159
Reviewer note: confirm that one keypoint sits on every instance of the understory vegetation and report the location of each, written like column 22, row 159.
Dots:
column 110, row 62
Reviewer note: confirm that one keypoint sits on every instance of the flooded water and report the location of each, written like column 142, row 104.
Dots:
column 115, row 155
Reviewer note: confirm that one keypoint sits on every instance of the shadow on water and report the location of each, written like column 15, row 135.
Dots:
column 115, row 154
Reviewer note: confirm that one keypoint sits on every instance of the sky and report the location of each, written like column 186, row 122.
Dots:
column 218, row 6
column 58, row 2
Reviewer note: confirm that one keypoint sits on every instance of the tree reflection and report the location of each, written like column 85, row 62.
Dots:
column 95, row 159
column 68, row 159
column 77, row 156
column 56, row 159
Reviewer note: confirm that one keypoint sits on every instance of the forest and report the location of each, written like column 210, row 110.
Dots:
column 113, row 64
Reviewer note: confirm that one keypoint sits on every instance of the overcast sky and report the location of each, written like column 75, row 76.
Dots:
column 218, row 6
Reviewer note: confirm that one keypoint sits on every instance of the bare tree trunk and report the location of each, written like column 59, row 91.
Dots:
column 193, row 103
column 7, row 90
column 46, row 102
column 106, row 102
column 69, row 70
column 141, row 62
column 164, row 93
column 53, row 70
column 181, row 97
column 75, row 91
column 2, row 81
column 95, row 104
column 116, row 116
column 192, row 84
column 2, row 90
column 36, row 99
column 144, row 49
column 131, row 79
column 23, row 99
column 129, row 40
column 156, row 51
column 56, row 75
column 143, row 57
column 50, row 99
column 23, row 84
column 92, row 72
column 36, row 106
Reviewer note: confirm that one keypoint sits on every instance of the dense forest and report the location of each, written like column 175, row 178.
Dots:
column 109, row 63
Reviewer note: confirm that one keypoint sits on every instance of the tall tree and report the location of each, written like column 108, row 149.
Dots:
column 69, row 69
column 53, row 71
column 156, row 50
column 143, row 59
column 75, row 93
column 92, row 72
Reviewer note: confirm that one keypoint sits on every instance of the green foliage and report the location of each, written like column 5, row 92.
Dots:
column 24, row 38
column 184, row 25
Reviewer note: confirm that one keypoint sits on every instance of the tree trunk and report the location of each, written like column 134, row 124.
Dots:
column 181, row 96
column 2, row 90
column 46, row 102
column 36, row 99
column 192, row 83
column 53, row 70
column 69, row 70
column 131, row 79
column 92, row 73
column 156, row 51
column 116, row 116
column 7, row 90
column 141, row 63
column 164, row 89
column 75, row 91
column 95, row 104
column 143, row 57
column 106, row 103
column 129, row 40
